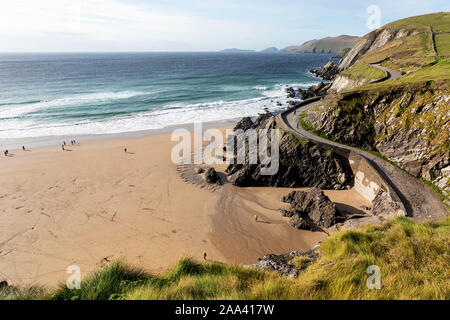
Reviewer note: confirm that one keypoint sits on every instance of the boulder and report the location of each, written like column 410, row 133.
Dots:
column 211, row 176
column 3, row 284
column 281, row 263
column 290, row 92
column 311, row 209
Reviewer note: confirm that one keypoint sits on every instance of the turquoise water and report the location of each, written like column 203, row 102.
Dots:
column 78, row 94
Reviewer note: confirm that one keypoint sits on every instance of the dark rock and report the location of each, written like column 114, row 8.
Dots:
column 200, row 170
column 272, row 262
column 281, row 263
column 300, row 223
column 326, row 72
column 384, row 205
column 286, row 213
column 290, row 92
column 244, row 124
column 262, row 117
column 211, row 176
column 3, row 284
column 311, row 209
column 314, row 91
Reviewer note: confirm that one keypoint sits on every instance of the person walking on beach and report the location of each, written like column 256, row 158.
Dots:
column 62, row 147
column 23, row 148
column 6, row 152
column 256, row 218
column 126, row 150
column 204, row 255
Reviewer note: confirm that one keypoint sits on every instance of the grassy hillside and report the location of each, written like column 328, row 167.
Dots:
column 413, row 258
column 325, row 45
column 428, row 46
column 438, row 21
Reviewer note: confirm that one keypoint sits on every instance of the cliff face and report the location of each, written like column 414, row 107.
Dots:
column 369, row 43
column 408, row 124
column 301, row 164
column 372, row 41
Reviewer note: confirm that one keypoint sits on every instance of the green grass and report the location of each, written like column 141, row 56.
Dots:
column 438, row 21
column 361, row 70
column 413, row 54
column 443, row 44
column 413, row 258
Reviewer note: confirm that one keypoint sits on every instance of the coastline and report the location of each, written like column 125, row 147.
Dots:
column 47, row 141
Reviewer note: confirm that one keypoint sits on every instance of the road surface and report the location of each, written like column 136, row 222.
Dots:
column 391, row 74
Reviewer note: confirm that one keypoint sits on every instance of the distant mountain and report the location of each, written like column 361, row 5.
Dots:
column 325, row 45
column 271, row 49
column 236, row 50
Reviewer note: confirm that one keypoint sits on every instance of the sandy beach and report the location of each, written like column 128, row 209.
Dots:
column 94, row 203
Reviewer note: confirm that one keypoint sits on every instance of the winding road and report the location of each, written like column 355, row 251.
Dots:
column 390, row 74
column 420, row 201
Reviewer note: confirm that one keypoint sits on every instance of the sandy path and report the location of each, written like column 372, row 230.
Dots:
column 96, row 203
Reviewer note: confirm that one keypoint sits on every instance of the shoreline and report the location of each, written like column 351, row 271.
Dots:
column 49, row 141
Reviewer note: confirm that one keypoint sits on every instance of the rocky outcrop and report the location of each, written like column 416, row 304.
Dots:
column 302, row 163
column 278, row 263
column 326, row 72
column 211, row 176
column 244, row 124
column 408, row 124
column 3, row 284
column 317, row 90
column 283, row 263
column 372, row 41
column 342, row 82
column 310, row 209
column 384, row 205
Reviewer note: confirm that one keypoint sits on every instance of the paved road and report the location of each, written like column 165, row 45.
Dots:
column 392, row 74
column 420, row 201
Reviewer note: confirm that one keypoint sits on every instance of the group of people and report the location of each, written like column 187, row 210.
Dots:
column 72, row 142
column 7, row 151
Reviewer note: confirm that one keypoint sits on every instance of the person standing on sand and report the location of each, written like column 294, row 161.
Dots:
column 125, row 150
column 256, row 218
column 23, row 148
column 6, row 152
column 204, row 255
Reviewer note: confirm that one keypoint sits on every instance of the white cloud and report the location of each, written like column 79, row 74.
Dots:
column 99, row 20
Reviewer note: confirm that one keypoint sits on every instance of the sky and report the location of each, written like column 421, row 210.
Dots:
column 188, row 25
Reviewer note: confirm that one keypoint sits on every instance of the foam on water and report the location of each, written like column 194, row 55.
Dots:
column 44, row 95
column 171, row 114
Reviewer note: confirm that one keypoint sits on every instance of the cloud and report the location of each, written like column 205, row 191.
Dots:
column 101, row 20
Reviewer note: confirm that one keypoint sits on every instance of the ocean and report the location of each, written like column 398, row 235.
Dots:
column 48, row 95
